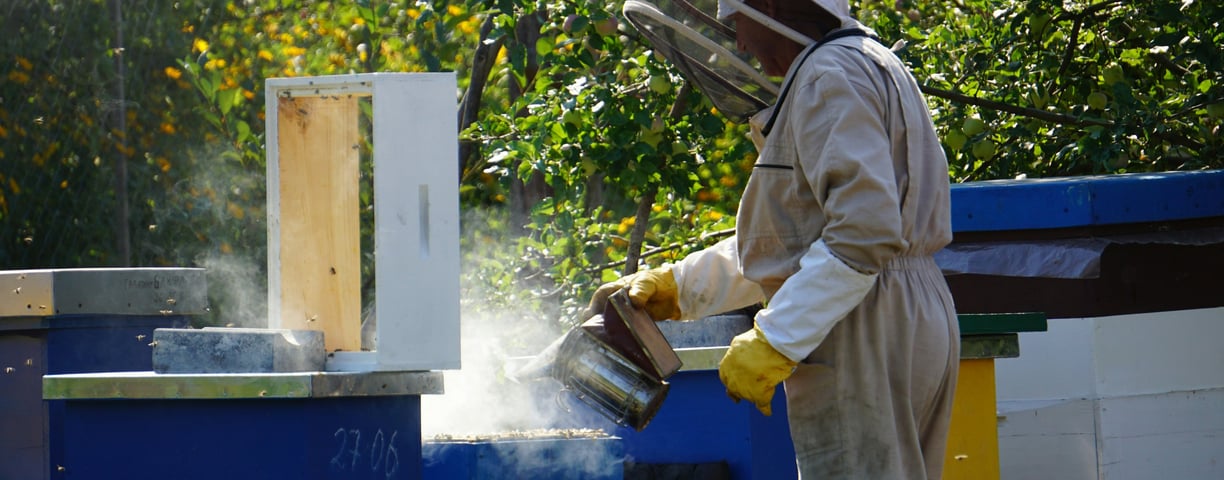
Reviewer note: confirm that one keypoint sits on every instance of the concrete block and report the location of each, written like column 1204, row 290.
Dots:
column 237, row 350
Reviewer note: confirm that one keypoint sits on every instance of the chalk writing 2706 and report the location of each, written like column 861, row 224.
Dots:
column 355, row 453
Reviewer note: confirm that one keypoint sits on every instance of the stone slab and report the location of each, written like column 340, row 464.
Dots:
column 237, row 350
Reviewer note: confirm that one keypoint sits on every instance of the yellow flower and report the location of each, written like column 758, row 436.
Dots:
column 413, row 13
column 235, row 210
column 3, row 132
column 454, row 10
column 168, row 128
column 64, row 184
column 163, row 164
column 173, row 73
column 247, row 94
column 625, row 224
column 226, row 248
column 200, row 45
column 19, row 78
column 24, row 63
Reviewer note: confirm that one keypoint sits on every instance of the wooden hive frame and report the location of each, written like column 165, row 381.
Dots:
column 314, row 249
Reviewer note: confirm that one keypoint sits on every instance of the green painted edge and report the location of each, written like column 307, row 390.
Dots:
column 217, row 386
column 1005, row 345
column 992, row 323
column 142, row 385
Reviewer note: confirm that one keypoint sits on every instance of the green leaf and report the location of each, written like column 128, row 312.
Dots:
column 226, row 100
column 544, row 46
column 244, row 131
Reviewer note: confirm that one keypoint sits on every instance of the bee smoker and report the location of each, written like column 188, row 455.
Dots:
column 617, row 363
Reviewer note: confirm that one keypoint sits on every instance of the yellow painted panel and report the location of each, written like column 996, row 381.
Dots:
column 973, row 439
column 320, row 245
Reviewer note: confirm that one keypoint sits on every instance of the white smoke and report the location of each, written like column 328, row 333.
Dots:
column 240, row 283
column 532, row 424
column 480, row 399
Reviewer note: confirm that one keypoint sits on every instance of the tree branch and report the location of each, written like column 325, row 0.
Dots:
column 701, row 240
column 641, row 220
column 469, row 108
column 1013, row 109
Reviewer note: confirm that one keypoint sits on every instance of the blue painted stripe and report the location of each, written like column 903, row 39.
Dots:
column 999, row 205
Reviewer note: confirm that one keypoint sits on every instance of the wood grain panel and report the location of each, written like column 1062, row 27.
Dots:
column 320, row 245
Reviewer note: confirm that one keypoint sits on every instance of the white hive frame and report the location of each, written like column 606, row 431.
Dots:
column 313, row 238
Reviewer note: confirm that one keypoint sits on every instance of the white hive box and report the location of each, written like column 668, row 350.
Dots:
column 313, row 132
column 1119, row 397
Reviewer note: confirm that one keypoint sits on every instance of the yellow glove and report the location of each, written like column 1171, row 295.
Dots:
column 751, row 369
column 652, row 290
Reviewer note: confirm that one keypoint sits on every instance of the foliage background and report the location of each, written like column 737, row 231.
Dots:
column 131, row 132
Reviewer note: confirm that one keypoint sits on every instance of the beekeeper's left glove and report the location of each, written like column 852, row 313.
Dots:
column 752, row 369
column 653, row 290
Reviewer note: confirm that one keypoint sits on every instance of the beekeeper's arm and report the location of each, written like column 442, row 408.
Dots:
column 846, row 158
column 704, row 283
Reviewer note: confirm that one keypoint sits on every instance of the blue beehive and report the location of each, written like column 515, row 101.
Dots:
column 545, row 458
column 77, row 321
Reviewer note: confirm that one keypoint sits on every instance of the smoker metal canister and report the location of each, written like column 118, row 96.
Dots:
column 607, row 381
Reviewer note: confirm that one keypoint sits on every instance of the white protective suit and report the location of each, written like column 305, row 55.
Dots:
column 847, row 203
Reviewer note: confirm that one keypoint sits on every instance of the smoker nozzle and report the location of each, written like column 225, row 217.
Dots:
column 537, row 367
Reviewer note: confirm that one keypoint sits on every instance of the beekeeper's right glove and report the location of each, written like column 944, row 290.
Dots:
column 652, row 290
column 752, row 369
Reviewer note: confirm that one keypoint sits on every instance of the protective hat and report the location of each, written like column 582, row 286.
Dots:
column 839, row 8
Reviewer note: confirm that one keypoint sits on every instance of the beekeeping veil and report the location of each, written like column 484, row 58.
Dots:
column 703, row 50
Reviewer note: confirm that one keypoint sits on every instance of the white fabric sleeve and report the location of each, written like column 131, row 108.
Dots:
column 811, row 302
column 709, row 282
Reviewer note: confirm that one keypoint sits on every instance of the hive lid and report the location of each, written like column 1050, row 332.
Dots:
column 632, row 333
column 159, row 291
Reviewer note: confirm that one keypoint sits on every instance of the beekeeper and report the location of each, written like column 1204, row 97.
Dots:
column 846, row 204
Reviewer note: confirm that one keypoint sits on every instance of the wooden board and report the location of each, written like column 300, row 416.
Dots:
column 320, row 245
